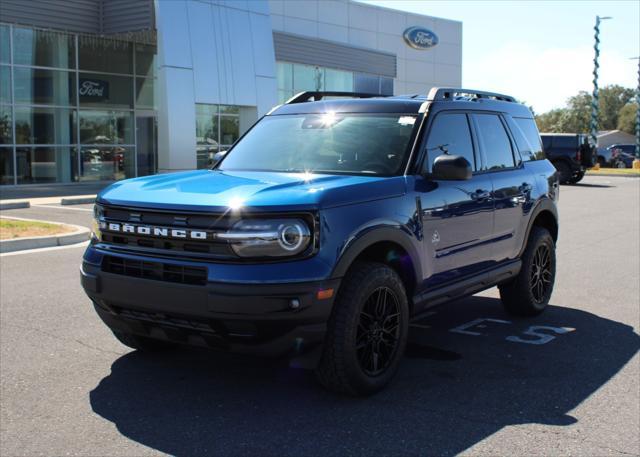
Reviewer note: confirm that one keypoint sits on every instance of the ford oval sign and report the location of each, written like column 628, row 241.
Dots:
column 420, row 38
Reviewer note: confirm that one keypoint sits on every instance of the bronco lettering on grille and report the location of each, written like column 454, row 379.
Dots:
column 146, row 230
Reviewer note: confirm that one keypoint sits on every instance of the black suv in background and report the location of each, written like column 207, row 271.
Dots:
column 570, row 153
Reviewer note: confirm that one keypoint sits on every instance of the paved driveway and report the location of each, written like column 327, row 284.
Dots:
column 474, row 380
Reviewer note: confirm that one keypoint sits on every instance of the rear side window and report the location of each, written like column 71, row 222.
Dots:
column 494, row 141
column 449, row 133
column 532, row 149
column 565, row 142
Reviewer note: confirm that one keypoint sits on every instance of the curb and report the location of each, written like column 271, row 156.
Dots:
column 77, row 201
column 15, row 205
column 613, row 175
column 20, row 244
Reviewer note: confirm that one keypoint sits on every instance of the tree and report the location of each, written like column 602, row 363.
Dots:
column 612, row 99
column 576, row 117
column 627, row 118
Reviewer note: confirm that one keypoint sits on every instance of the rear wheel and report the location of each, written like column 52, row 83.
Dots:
column 621, row 164
column 367, row 331
column 528, row 293
column 577, row 178
column 141, row 343
column 564, row 172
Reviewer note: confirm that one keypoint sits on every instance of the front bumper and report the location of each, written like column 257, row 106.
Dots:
column 248, row 318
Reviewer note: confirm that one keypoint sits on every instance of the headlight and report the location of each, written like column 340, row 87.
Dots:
column 268, row 238
column 95, row 226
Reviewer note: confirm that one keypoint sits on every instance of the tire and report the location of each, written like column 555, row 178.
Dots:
column 141, row 343
column 528, row 293
column 621, row 164
column 358, row 319
column 602, row 162
column 577, row 178
column 564, row 172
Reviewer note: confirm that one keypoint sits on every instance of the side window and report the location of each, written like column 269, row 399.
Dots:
column 494, row 142
column 449, row 133
column 527, row 138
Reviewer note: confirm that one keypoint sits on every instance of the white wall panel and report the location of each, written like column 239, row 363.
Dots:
column 203, row 53
column 263, row 54
column 333, row 32
column 333, row 12
column 392, row 22
column 267, row 94
column 174, row 47
column 302, row 9
column 243, row 69
column 363, row 17
column 176, row 120
column 302, row 27
column 363, row 38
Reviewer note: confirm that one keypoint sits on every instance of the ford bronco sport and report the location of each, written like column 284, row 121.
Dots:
column 327, row 227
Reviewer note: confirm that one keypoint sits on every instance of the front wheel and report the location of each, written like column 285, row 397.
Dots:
column 367, row 331
column 528, row 293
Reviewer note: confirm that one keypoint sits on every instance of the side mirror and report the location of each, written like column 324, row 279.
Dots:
column 217, row 157
column 448, row 167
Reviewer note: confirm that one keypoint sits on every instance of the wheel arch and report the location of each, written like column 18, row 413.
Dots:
column 544, row 215
column 391, row 246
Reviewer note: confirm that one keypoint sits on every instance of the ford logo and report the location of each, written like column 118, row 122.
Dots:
column 420, row 38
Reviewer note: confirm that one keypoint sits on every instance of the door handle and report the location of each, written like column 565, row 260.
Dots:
column 525, row 187
column 480, row 195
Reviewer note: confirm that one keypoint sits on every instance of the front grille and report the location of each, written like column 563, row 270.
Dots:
column 211, row 223
column 155, row 270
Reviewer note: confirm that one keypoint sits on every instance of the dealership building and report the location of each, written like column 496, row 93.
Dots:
column 101, row 90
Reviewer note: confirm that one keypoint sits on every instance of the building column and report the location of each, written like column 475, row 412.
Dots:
column 176, row 120
column 174, row 91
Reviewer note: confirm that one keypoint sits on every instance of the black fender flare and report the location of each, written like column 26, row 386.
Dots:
column 395, row 234
column 544, row 204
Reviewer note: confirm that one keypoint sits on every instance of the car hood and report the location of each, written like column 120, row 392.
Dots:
column 213, row 190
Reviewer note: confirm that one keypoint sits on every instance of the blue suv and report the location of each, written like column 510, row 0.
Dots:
column 327, row 227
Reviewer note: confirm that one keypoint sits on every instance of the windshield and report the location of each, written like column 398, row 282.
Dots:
column 373, row 144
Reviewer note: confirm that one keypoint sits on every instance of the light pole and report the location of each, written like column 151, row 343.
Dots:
column 636, row 162
column 594, row 98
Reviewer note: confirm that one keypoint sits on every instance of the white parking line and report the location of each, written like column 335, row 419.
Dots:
column 52, row 248
column 62, row 207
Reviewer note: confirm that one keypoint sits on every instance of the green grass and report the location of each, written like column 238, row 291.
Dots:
column 14, row 228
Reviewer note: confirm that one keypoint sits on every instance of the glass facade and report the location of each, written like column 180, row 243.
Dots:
column 75, row 107
column 294, row 78
column 217, row 128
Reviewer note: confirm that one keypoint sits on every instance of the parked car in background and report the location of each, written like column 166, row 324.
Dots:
column 622, row 155
column 603, row 157
column 570, row 153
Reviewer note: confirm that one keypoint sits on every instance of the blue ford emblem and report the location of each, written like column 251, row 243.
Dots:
column 420, row 38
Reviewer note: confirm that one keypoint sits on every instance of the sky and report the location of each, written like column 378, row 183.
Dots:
column 540, row 52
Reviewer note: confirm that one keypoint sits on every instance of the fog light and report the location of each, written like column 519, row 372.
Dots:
column 294, row 304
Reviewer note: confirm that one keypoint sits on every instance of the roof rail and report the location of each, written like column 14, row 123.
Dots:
column 315, row 95
column 450, row 93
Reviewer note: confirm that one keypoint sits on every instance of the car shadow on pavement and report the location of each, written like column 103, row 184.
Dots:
column 470, row 370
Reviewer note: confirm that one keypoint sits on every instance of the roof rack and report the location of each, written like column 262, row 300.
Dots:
column 316, row 96
column 449, row 93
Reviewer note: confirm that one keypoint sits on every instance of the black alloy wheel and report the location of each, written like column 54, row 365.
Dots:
column 541, row 273
column 378, row 331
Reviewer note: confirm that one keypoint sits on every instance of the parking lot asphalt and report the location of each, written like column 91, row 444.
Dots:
column 474, row 380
